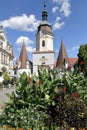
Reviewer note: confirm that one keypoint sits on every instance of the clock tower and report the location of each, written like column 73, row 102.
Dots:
column 44, row 53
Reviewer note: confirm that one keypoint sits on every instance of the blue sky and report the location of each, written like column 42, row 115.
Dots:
column 68, row 18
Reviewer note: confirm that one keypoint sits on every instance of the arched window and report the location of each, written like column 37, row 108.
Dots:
column 43, row 43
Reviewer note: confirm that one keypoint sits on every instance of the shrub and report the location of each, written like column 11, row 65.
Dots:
column 7, row 78
column 47, row 99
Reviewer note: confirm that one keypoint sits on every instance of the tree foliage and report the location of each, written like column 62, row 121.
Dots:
column 82, row 55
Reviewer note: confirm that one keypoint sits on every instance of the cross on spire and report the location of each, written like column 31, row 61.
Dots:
column 44, row 4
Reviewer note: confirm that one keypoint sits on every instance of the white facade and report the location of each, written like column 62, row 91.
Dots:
column 40, row 37
column 42, row 59
column 44, row 54
column 27, row 69
column 6, row 53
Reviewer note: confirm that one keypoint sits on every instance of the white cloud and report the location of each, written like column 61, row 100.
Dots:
column 22, row 23
column 54, row 9
column 27, row 41
column 57, row 1
column 24, row 39
column 30, row 49
column 58, row 19
column 57, row 24
column 65, row 8
column 75, row 48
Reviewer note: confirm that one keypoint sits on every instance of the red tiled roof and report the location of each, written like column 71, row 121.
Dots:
column 73, row 61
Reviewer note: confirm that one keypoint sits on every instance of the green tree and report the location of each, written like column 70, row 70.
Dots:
column 82, row 58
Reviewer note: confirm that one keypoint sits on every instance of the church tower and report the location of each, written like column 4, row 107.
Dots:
column 44, row 54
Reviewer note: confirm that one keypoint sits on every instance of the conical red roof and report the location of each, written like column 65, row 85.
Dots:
column 62, row 57
column 23, row 58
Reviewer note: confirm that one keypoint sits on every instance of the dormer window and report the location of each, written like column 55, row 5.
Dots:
column 43, row 43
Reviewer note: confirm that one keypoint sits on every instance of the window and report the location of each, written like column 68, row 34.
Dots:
column 1, row 44
column 43, row 63
column 43, row 57
column 43, row 60
column 2, row 38
column 2, row 57
column 43, row 43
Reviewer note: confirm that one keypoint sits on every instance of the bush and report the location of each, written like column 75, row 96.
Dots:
column 47, row 100
column 4, row 69
column 7, row 78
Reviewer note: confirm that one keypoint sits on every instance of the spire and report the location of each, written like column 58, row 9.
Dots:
column 44, row 13
column 23, row 58
column 62, row 57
